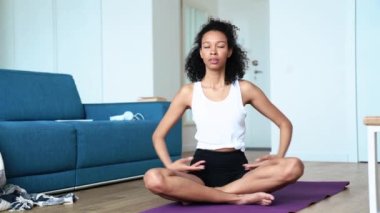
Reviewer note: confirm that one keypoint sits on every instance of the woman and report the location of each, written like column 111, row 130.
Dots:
column 219, row 171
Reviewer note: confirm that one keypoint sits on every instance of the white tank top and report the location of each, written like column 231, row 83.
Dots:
column 220, row 124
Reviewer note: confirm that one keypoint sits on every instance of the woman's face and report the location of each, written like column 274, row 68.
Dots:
column 214, row 50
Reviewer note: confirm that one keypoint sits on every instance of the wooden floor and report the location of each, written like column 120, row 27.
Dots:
column 132, row 197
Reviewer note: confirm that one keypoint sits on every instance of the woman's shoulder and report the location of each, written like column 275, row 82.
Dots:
column 185, row 91
column 246, row 85
column 249, row 91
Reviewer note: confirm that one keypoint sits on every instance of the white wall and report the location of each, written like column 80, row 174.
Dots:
column 7, row 50
column 107, row 45
column 34, row 19
column 127, row 49
column 312, row 51
column 209, row 6
column 368, row 66
column 79, row 45
column 167, row 48
column 26, row 25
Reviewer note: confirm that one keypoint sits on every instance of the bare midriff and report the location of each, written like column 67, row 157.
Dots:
column 225, row 150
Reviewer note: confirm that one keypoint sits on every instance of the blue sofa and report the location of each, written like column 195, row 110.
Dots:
column 42, row 154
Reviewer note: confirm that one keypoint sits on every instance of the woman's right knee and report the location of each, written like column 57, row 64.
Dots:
column 154, row 180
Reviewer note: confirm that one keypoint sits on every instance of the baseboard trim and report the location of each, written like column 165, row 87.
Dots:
column 108, row 182
column 72, row 189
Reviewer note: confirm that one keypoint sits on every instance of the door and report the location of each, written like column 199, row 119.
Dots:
column 252, row 17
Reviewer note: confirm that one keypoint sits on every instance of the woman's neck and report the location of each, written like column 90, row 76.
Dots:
column 213, row 80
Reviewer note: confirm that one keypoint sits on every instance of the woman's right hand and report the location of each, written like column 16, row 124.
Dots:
column 182, row 165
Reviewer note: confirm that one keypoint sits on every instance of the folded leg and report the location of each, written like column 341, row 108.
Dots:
column 272, row 175
column 185, row 187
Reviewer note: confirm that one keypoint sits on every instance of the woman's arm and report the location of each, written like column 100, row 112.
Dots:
column 179, row 104
column 253, row 95
column 176, row 109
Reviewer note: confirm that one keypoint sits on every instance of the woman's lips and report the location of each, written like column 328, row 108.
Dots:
column 214, row 61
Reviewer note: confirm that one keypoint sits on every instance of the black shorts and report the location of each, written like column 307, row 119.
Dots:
column 221, row 168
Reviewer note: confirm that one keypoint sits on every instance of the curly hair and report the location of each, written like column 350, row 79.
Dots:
column 236, row 64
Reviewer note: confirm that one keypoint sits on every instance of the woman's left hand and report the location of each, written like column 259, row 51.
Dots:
column 261, row 161
column 181, row 165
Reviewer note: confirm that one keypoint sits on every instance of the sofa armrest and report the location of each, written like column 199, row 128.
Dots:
column 103, row 111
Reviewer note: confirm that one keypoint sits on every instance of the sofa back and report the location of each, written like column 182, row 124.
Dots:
column 30, row 95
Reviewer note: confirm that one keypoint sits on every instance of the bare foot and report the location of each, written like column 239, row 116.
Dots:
column 260, row 198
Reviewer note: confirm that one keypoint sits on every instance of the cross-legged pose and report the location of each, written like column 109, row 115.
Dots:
column 219, row 172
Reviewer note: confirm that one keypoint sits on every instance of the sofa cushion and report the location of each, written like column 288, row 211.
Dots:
column 38, row 96
column 103, row 143
column 37, row 147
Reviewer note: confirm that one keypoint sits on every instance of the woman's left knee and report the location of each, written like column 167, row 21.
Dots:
column 294, row 169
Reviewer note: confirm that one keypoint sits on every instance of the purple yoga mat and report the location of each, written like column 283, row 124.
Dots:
column 292, row 198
